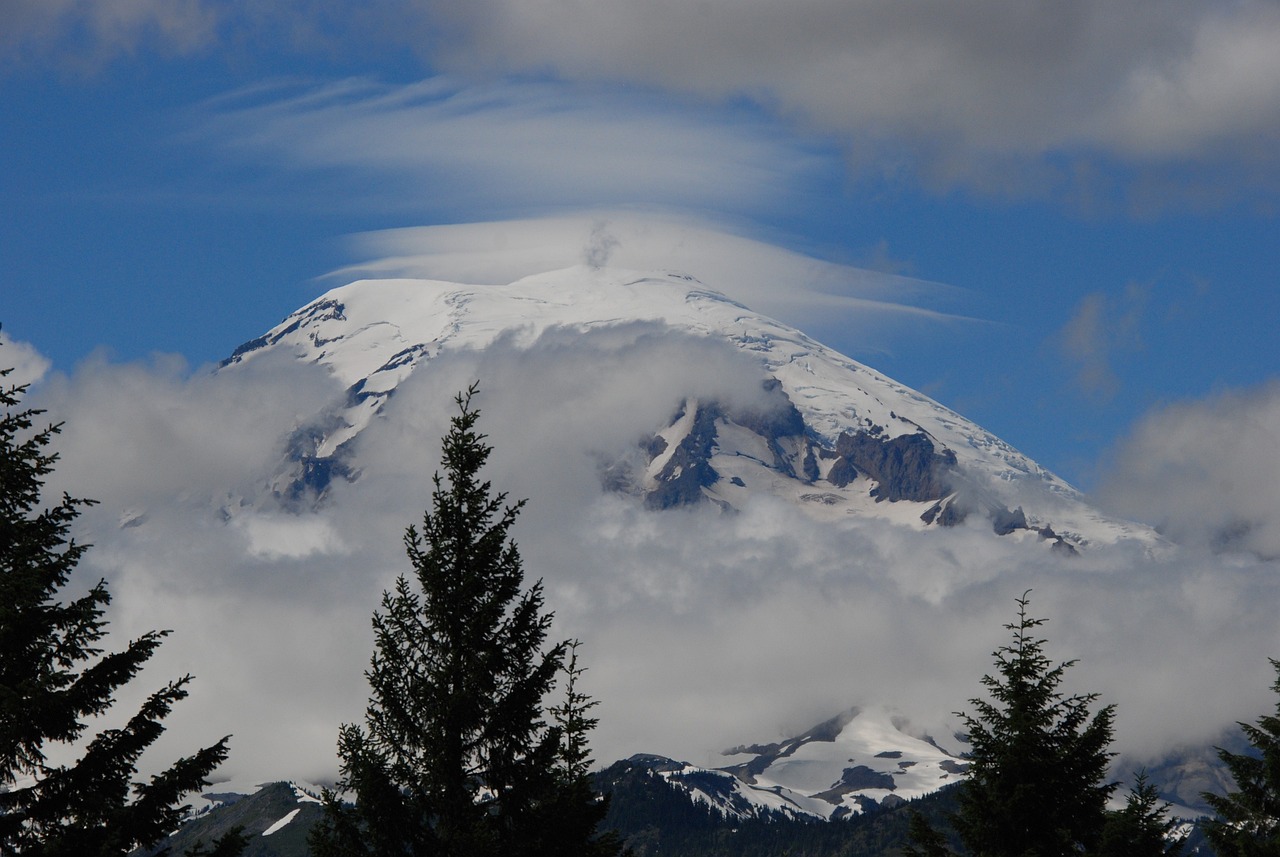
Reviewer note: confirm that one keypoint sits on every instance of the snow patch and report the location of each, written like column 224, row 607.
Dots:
column 275, row 828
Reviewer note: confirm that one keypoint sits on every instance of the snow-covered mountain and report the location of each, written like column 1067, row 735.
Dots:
column 844, row 766
column 819, row 431
column 829, row 434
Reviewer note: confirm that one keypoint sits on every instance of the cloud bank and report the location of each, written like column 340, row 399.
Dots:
column 1006, row 97
column 700, row 630
column 1205, row 472
column 26, row 364
column 1046, row 97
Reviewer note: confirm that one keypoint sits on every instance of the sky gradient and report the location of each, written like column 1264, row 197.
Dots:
column 1060, row 218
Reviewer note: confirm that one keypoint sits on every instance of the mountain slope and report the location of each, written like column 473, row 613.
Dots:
column 826, row 432
column 858, row 761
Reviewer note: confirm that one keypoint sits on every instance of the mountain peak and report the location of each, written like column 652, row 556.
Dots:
column 828, row 433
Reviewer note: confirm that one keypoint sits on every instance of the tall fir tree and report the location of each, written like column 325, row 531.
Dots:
column 1247, row 821
column 577, row 809
column 1143, row 827
column 54, row 677
column 1037, row 761
column 456, row 756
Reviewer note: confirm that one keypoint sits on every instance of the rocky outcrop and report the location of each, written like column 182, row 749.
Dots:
column 955, row 510
column 907, row 467
column 688, row 470
column 313, row 313
column 305, row 479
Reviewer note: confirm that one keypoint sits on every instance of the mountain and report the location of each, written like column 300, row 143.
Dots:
column 826, row 433
column 844, row 787
column 274, row 817
column 807, row 427
column 855, row 762
column 860, row 763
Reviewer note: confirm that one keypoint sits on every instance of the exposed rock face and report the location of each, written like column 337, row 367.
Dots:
column 907, row 467
column 854, row 780
column 312, row 314
column 308, row 474
column 688, row 470
column 955, row 510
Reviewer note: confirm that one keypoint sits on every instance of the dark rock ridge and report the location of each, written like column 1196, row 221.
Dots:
column 911, row 467
column 955, row 510
column 903, row 468
column 907, row 467
column 688, row 470
column 308, row 473
column 316, row 312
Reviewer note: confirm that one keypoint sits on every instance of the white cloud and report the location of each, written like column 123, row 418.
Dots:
column 1008, row 97
column 1206, row 471
column 1101, row 330
column 813, row 294
column 700, row 629
column 142, row 432
column 102, row 29
column 26, row 364
column 494, row 148
column 284, row 536
column 976, row 94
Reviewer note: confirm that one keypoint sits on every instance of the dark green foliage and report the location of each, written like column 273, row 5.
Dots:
column 1038, row 761
column 229, row 844
column 1143, row 828
column 926, row 840
column 455, row 757
column 1248, row 819
column 53, row 677
column 577, row 809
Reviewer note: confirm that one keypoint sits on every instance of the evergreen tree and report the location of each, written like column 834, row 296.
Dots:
column 1037, row 761
column 577, row 811
column 456, row 757
column 925, row 839
column 1247, row 822
column 53, row 677
column 1142, row 828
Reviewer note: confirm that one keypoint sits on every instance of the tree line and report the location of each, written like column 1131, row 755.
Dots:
column 1037, row 781
column 463, row 751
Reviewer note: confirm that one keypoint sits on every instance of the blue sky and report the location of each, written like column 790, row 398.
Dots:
column 1085, row 192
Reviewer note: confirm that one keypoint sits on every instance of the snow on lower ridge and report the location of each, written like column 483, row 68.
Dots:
column 275, row 828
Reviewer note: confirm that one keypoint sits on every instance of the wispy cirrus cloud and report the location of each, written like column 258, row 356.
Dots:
column 1103, row 329
column 497, row 148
